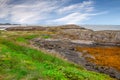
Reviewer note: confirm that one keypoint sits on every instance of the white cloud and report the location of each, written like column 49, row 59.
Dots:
column 73, row 18
column 85, row 6
column 54, row 11
column 3, row 3
column 77, row 13
column 4, row 10
column 3, row 13
column 76, row 18
column 32, row 12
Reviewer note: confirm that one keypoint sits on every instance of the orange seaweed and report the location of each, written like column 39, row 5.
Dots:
column 104, row 56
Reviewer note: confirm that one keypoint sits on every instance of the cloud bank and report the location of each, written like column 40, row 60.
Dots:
column 46, row 11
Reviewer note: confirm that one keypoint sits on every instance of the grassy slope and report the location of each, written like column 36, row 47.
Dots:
column 18, row 62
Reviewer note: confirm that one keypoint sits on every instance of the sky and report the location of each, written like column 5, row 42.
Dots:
column 55, row 12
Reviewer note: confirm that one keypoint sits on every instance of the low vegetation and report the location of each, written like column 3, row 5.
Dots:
column 19, row 62
column 105, row 56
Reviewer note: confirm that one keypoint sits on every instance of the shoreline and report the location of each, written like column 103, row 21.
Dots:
column 67, row 50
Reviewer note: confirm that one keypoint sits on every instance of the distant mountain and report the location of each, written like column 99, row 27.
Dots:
column 8, row 24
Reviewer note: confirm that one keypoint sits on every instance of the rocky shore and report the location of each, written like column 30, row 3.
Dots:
column 66, row 38
column 75, row 32
column 67, row 49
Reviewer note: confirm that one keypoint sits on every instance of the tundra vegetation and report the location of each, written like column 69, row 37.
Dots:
column 21, row 61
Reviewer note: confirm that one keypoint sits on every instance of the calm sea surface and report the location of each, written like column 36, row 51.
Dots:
column 102, row 27
column 93, row 27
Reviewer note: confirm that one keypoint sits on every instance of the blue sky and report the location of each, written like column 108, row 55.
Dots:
column 54, row 12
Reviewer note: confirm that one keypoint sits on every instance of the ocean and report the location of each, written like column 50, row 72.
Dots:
column 93, row 27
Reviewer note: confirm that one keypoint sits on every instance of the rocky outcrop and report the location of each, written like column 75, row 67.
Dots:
column 76, row 33
column 100, row 37
column 67, row 49
column 49, row 28
column 29, row 28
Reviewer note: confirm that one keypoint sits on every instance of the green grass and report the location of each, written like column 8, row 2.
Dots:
column 45, row 36
column 25, row 38
column 18, row 62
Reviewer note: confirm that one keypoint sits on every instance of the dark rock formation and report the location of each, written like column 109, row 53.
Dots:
column 29, row 28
